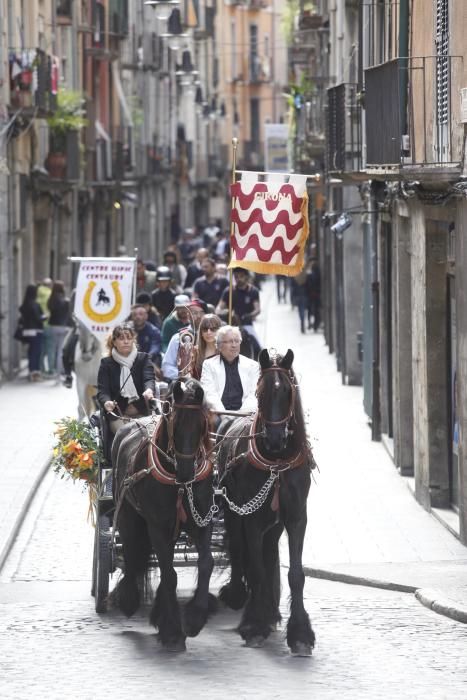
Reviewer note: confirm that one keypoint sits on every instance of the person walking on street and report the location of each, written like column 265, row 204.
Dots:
column 144, row 299
column 44, row 290
column 163, row 298
column 148, row 337
column 177, row 320
column 177, row 271
column 299, row 294
column 145, row 279
column 282, row 283
column 245, row 305
column 313, row 284
column 209, row 288
column 194, row 271
column 59, row 324
column 33, row 322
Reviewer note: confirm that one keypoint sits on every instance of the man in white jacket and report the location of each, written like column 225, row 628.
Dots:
column 229, row 379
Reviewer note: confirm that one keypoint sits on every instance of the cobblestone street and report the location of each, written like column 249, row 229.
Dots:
column 363, row 520
column 370, row 643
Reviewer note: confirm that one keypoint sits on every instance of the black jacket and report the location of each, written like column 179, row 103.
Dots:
column 108, row 381
column 59, row 311
column 31, row 314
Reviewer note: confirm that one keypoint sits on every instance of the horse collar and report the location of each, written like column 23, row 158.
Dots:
column 259, row 462
column 161, row 474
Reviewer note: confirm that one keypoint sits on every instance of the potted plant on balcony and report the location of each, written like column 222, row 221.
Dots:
column 67, row 117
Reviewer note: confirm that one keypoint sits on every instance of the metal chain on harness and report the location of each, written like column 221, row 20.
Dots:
column 201, row 522
column 256, row 502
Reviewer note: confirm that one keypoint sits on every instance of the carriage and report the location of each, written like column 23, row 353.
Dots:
column 259, row 482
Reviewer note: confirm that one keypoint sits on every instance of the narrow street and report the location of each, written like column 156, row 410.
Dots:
column 370, row 643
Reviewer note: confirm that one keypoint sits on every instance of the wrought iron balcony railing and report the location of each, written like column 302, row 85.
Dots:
column 411, row 117
column 343, row 132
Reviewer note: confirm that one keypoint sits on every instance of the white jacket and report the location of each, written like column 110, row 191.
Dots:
column 213, row 382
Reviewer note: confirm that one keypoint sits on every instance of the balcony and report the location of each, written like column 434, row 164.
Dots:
column 412, row 121
column 259, row 70
column 34, row 78
column 310, row 20
column 343, row 130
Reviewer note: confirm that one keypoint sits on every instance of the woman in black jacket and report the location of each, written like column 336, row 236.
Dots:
column 33, row 323
column 59, row 324
column 125, row 382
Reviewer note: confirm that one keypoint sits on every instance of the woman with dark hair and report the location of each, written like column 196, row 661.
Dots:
column 59, row 324
column 33, row 322
column 206, row 347
column 125, row 382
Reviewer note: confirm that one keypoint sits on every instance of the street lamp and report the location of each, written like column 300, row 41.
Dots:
column 162, row 7
column 174, row 33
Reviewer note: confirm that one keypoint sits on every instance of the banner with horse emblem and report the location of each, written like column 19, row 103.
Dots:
column 104, row 292
column 269, row 223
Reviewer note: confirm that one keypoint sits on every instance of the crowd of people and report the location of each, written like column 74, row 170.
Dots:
column 45, row 319
column 180, row 305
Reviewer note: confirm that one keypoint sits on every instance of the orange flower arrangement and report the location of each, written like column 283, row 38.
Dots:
column 76, row 452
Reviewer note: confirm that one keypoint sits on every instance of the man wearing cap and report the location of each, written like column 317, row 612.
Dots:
column 163, row 298
column 195, row 310
column 178, row 319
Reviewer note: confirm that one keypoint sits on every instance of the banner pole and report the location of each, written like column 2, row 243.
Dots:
column 234, row 169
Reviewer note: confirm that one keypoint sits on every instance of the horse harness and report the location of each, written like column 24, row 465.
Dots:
column 155, row 468
column 275, row 467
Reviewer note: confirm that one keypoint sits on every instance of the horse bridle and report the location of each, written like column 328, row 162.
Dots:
column 170, row 418
column 290, row 412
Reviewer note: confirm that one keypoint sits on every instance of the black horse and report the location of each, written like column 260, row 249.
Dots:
column 163, row 484
column 265, row 463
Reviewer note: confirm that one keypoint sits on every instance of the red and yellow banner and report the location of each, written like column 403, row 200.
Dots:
column 269, row 227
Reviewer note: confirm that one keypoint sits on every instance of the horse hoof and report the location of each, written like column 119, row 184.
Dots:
column 301, row 649
column 255, row 642
column 176, row 646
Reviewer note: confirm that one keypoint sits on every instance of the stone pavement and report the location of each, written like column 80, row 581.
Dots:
column 364, row 524
column 27, row 413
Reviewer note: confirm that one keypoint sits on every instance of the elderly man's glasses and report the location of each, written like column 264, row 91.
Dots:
column 233, row 341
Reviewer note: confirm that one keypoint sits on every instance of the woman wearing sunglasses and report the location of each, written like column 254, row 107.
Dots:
column 208, row 328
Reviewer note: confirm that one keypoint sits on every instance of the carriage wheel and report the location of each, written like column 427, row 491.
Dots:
column 103, row 562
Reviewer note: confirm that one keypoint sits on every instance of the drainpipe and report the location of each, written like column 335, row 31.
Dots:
column 404, row 63
column 376, row 380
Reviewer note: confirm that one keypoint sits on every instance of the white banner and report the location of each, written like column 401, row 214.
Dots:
column 104, row 292
column 276, row 147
